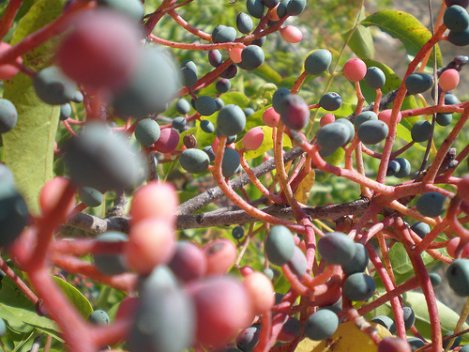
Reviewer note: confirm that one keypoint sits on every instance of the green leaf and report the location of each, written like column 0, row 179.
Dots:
column 448, row 317
column 80, row 302
column 361, row 42
column 405, row 27
column 267, row 73
column 400, row 261
column 29, row 147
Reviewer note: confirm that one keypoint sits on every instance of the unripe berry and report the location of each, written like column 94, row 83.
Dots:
column 253, row 139
column 270, row 117
column 449, row 80
column 291, row 34
column 261, row 291
column 326, row 119
column 354, row 70
column 221, row 255
column 8, row 71
column 385, row 116
column 235, row 54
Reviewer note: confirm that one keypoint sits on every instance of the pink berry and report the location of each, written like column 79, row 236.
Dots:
column 354, row 70
column 246, row 270
column 151, row 243
column 221, row 255
column 51, row 193
column 253, row 138
column 8, row 71
column 385, row 116
column 458, row 249
column 261, row 291
column 235, row 54
column 326, row 119
column 169, row 140
column 270, row 117
column 101, row 49
column 155, row 200
column 393, row 344
column 449, row 80
column 188, row 262
column 291, row 34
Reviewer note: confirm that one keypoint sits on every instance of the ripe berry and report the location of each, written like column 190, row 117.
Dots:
column 364, row 117
column 14, row 213
column 147, row 132
column 435, row 279
column 260, row 289
column 375, row 77
column 279, row 245
column 298, row 263
column 354, row 70
column 295, row 112
column 349, row 125
column 223, row 85
column 332, row 136
column 8, row 116
column 373, row 132
column 255, row 8
column 359, row 261
column 393, row 344
column 421, row 131
column 430, row 204
column 205, row 105
column 90, row 196
column 295, row 7
column 209, row 151
column 321, row 325
column 253, row 139
column 415, row 343
column 278, row 97
column 230, row 72
column 65, row 111
column 359, row 287
column 189, row 73
column 456, row 18
column 458, row 276
column 291, row 34
column 404, row 168
column 231, row 120
column 110, row 264
column 409, row 317
column 223, row 34
column 8, row 71
column 248, row 338
column 188, row 262
column 449, row 79
column 270, row 117
column 230, row 163
column 330, row 101
column 221, row 255
column 336, row 248
column 385, row 321
column 132, row 8
column 393, row 168
column 451, row 99
column 183, row 106
column 418, row 82
column 207, row 126
column 168, row 141
column 194, row 160
column 237, row 232
column 421, row 229
column 52, row 87
column 96, row 37
column 444, row 119
column 99, row 317
column 270, row 3
column 179, row 123
column 252, row 57
column 244, row 23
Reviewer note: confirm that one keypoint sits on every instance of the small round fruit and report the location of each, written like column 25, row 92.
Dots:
column 231, row 120
column 393, row 168
column 393, row 344
column 255, row 8
column 278, row 97
column 359, row 261
column 435, row 279
column 372, row 132
column 252, row 57
column 90, row 196
column 230, row 72
column 237, row 232
column 458, row 276
column 147, row 132
column 14, row 216
column 421, row 229
column 409, row 317
column 183, row 106
column 248, row 338
column 8, row 71
column 330, row 101
column 260, row 289
column 354, row 70
column 65, row 111
column 290, row 330
column 332, row 136
column 223, row 85
column 215, row 58
column 230, row 163
column 279, row 245
column 456, row 18
column 188, row 262
column 449, row 79
column 336, row 248
column 430, row 204
column 375, row 77
column 8, row 116
column 270, row 117
column 221, row 255
column 207, row 126
column 385, row 116
column 296, row 7
column 6, row 176
column 52, row 87
column 291, row 34
column 404, row 168
column 110, row 264
column 244, row 23
column 318, row 61
column 385, row 321
column 418, row 82
column 189, row 73
column 168, row 141
column 444, row 119
column 421, row 131
column 364, row 117
column 205, row 105
column 223, row 34
column 295, row 112
column 321, row 325
column 298, row 263
column 194, row 160
column 459, row 38
column 359, row 287
column 351, row 130
column 179, row 123
column 99, row 317
column 253, row 139
column 451, row 99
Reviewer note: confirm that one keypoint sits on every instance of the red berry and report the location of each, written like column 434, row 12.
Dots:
column 326, row 119
column 261, row 291
column 188, row 262
column 291, row 34
column 355, row 70
column 221, row 255
column 253, row 139
column 8, row 71
column 385, row 116
column 169, row 140
column 449, row 80
column 270, row 117
column 235, row 54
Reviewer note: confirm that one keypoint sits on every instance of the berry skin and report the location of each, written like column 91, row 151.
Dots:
column 330, row 101
column 99, row 317
column 451, row 99
column 147, row 132
column 321, row 325
column 209, row 151
column 279, row 245
column 295, row 7
column 8, row 116
column 337, row 248
column 205, row 105
column 409, row 317
column 358, row 262
column 188, row 262
column 354, row 70
column 270, row 117
column 230, row 72
column 179, row 123
column 404, row 169
column 385, row 116
column 237, row 232
column 418, row 82
column 102, row 159
column 349, row 125
column 231, row 120
column 52, row 87
column 372, row 132
column 359, row 287
column 223, row 85
column 110, row 264
column 298, row 263
column 375, row 77
column 291, row 34
column 255, row 8
column 278, row 97
column 189, row 73
column 332, row 136
column 260, row 289
column 444, row 119
column 385, row 321
column 449, row 80
column 8, row 71
column 65, row 111
column 223, row 34
column 132, row 8
column 168, row 141
column 364, row 117
column 151, row 87
column 244, row 23
column 458, row 276
column 435, row 279
column 221, row 255
column 14, row 214
column 430, row 204
column 393, row 344
column 393, row 168
column 183, row 106
column 90, row 196
column 295, row 112
column 421, row 229
column 215, row 58
column 252, row 57
column 207, row 126
column 326, row 119
column 248, row 111
column 96, row 37
column 421, row 131
column 248, row 338
column 253, row 139
column 194, row 160
column 230, row 163
column 456, row 18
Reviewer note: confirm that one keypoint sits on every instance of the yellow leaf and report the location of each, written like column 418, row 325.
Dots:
column 347, row 338
column 302, row 192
